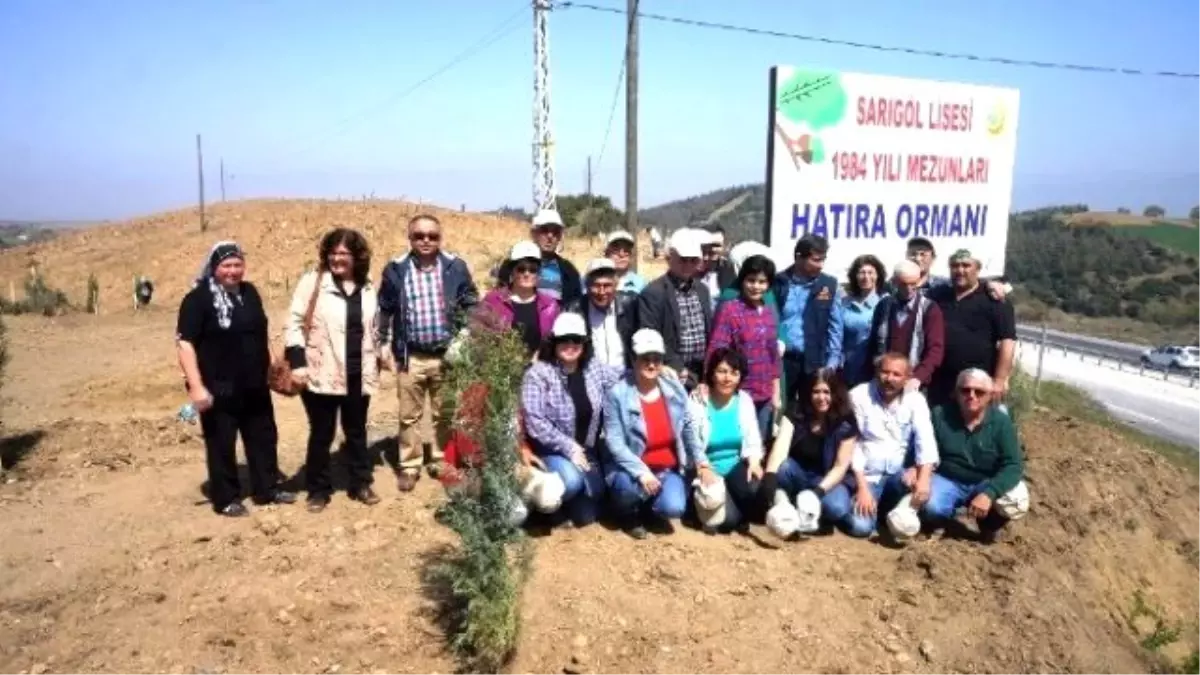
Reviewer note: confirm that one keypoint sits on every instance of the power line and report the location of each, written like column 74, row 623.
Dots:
column 612, row 113
column 500, row 31
column 570, row 4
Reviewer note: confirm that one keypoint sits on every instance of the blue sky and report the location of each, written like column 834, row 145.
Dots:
column 100, row 101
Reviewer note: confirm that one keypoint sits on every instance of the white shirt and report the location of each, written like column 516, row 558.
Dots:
column 885, row 432
column 606, row 340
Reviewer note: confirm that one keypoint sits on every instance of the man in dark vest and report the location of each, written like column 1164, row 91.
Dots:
column 907, row 323
column 810, row 318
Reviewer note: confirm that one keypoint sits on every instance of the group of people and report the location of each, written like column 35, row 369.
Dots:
column 725, row 391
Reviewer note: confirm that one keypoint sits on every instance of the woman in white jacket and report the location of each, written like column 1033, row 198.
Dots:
column 727, row 487
column 333, row 351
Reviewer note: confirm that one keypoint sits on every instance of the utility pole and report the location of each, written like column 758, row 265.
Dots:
column 631, row 135
column 200, row 176
column 589, row 176
column 222, row 180
column 544, row 189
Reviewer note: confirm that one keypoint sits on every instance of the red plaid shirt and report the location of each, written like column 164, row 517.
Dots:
column 754, row 332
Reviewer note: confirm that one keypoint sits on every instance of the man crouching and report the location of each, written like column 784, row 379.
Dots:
column 981, row 464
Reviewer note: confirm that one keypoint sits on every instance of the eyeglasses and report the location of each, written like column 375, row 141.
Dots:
column 526, row 268
column 570, row 340
column 425, row 236
column 977, row 392
column 551, row 230
column 651, row 359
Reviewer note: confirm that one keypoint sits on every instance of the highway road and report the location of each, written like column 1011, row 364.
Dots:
column 1168, row 409
column 1116, row 350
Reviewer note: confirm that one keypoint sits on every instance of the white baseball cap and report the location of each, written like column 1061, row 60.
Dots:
column 782, row 519
column 569, row 324
column 903, row 521
column 524, row 250
column 808, row 506
column 619, row 235
column 685, row 242
column 598, row 264
column 547, row 217
column 645, row 341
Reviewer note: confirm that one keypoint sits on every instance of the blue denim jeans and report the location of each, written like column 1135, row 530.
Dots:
column 581, row 498
column 947, row 496
column 629, row 497
column 765, row 412
column 794, row 479
column 886, row 492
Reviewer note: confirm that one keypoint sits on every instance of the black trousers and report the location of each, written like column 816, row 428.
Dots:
column 322, row 410
column 253, row 416
column 794, row 376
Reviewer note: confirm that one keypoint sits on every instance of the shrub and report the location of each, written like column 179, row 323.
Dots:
column 39, row 299
column 486, row 572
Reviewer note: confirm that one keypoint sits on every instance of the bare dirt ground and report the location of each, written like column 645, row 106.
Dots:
column 113, row 561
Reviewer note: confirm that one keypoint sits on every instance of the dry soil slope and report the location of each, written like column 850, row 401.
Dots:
column 280, row 237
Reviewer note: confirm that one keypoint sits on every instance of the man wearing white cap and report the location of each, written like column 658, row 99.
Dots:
column 619, row 247
column 609, row 314
column 558, row 276
column 679, row 308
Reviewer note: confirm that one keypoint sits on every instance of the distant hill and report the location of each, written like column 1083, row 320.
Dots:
column 1130, row 273
column 19, row 233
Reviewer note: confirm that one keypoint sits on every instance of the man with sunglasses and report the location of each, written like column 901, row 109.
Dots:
column 981, row 466
column 980, row 332
column 619, row 248
column 810, row 316
column 424, row 298
column 558, row 277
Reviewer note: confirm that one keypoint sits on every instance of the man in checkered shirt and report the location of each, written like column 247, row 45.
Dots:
column 679, row 307
column 424, row 299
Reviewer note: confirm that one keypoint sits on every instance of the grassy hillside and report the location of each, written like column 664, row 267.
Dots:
column 1185, row 239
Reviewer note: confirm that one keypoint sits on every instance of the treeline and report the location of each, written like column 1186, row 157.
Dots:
column 1094, row 272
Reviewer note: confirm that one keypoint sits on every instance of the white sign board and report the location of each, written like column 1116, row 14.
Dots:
column 870, row 161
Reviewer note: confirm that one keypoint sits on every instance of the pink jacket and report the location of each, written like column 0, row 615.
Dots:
column 499, row 301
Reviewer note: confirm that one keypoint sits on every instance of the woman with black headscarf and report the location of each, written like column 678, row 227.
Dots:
column 224, row 354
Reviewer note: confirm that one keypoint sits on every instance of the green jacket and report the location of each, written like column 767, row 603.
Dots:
column 990, row 454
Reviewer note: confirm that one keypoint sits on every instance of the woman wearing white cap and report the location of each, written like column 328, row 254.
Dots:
column 652, row 441
column 517, row 303
column 562, row 396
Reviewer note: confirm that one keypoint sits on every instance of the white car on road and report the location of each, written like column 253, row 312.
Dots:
column 1172, row 357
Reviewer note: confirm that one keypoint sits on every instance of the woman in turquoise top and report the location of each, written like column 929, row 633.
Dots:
column 728, row 425
column 858, row 308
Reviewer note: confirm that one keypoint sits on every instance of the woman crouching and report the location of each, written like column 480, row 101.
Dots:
column 652, row 442
column 561, row 397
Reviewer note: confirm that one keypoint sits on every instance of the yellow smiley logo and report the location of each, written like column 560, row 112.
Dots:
column 996, row 119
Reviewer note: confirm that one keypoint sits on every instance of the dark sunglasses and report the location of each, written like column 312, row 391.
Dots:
column 573, row 340
column 526, row 268
column 425, row 236
column 977, row 392
column 550, row 229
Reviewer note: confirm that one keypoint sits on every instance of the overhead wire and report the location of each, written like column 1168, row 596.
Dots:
column 495, row 35
column 1009, row 61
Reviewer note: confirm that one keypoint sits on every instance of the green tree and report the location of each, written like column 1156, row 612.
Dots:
column 1194, row 214
column 1124, row 209
column 1154, row 211
column 589, row 214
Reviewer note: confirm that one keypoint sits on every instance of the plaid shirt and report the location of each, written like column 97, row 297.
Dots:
column 755, row 333
column 691, row 324
column 426, row 307
column 549, row 411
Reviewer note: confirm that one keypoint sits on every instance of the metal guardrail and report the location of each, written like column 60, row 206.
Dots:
column 1121, row 364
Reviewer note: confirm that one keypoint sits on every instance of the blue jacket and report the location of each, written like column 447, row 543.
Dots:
column 625, row 426
column 460, row 297
column 822, row 321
